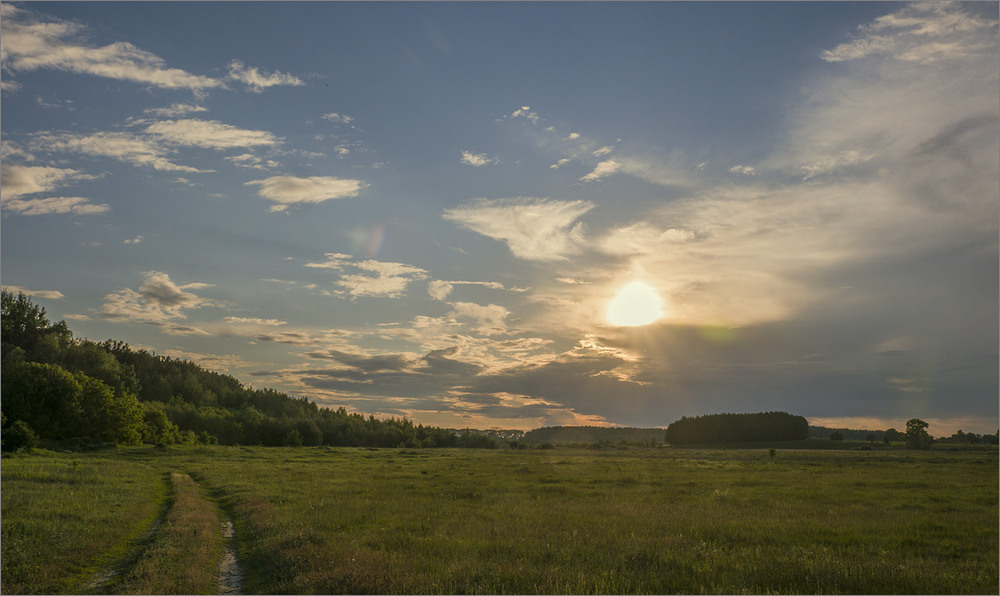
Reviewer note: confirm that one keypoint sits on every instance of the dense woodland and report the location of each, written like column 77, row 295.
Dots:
column 57, row 387
column 738, row 428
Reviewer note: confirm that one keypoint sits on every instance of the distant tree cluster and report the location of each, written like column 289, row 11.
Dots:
column 964, row 438
column 593, row 434
column 59, row 388
column 737, row 428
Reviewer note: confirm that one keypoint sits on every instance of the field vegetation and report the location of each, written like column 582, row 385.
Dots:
column 559, row 520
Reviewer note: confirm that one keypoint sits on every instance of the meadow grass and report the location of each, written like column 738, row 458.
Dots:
column 637, row 521
column 335, row 520
column 67, row 515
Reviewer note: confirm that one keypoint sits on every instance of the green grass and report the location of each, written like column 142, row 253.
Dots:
column 65, row 516
column 324, row 520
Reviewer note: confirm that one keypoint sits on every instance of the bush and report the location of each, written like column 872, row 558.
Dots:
column 19, row 436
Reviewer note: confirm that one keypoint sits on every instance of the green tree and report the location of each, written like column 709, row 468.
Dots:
column 24, row 325
column 916, row 434
column 836, row 436
column 108, row 415
column 45, row 396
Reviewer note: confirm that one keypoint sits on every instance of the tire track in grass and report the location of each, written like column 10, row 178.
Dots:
column 134, row 548
column 188, row 552
column 230, row 571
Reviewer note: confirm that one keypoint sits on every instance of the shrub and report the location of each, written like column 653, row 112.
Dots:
column 19, row 436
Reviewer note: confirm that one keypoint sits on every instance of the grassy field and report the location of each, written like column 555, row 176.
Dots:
column 641, row 520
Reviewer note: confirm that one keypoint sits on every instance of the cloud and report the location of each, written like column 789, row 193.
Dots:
column 922, row 33
column 256, row 321
column 489, row 319
column 219, row 363
column 643, row 238
column 526, row 113
column 257, row 81
column 338, row 118
column 24, row 180
column 603, row 170
column 249, row 160
column 139, row 238
column 477, row 159
column 158, row 301
column 122, row 146
column 294, row 338
column 175, row 110
column 440, row 290
column 210, row 134
column 47, row 294
column 286, row 191
column 744, row 170
column 536, row 229
column 54, row 206
column 383, row 279
column 560, row 163
column 31, row 43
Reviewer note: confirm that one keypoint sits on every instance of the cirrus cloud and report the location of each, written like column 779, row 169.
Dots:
column 257, row 81
column 536, row 229
column 30, row 43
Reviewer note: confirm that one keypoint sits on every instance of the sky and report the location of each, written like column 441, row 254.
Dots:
column 514, row 215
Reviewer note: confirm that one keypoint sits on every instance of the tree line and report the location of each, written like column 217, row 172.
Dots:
column 737, row 428
column 593, row 434
column 75, row 391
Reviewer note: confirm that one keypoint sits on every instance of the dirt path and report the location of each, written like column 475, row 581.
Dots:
column 171, row 556
column 230, row 572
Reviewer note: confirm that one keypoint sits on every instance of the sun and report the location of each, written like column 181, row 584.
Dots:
column 635, row 304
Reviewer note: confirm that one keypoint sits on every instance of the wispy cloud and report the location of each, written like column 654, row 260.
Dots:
column 922, row 33
column 122, row 146
column 54, row 205
column 536, row 229
column 31, row 43
column 477, row 159
column 338, row 118
column 439, row 289
column 380, row 278
column 256, row 321
column 526, row 113
column 176, row 110
column 286, row 191
column 602, row 171
column 488, row 319
column 210, row 134
column 258, row 81
column 47, row 294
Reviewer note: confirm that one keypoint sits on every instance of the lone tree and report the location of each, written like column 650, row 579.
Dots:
column 916, row 434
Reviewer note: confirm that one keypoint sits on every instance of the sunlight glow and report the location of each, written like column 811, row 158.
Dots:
column 635, row 304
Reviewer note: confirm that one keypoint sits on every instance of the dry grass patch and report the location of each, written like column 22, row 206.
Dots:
column 183, row 555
